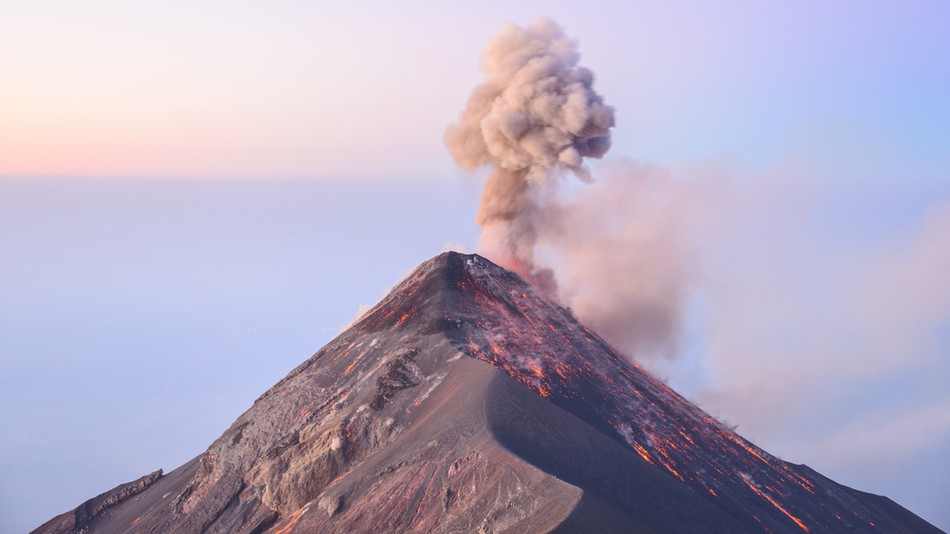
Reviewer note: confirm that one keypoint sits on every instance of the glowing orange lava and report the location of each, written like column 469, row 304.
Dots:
column 775, row 503
column 294, row 518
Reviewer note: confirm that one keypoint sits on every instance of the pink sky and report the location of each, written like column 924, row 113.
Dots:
column 827, row 127
column 365, row 89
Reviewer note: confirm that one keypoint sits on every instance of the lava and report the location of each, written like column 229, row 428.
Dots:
column 551, row 357
column 776, row 504
column 318, row 427
column 294, row 518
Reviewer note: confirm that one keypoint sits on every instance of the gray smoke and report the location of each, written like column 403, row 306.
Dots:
column 536, row 117
column 618, row 248
column 624, row 253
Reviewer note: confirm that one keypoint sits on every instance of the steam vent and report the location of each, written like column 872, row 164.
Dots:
column 467, row 402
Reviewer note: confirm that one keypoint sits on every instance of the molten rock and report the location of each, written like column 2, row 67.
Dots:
column 464, row 402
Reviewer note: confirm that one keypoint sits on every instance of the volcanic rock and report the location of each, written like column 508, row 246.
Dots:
column 465, row 401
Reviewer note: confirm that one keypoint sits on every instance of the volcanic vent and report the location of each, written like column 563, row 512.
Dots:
column 467, row 402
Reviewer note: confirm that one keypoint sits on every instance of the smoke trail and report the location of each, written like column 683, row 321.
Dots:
column 620, row 247
column 535, row 117
column 624, row 254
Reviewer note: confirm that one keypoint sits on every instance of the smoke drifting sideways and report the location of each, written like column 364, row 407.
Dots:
column 625, row 254
column 534, row 120
column 618, row 248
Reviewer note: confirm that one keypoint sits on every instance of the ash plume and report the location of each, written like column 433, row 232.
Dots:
column 625, row 255
column 619, row 249
column 534, row 119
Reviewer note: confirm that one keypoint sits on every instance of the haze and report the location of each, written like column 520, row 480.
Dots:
column 195, row 196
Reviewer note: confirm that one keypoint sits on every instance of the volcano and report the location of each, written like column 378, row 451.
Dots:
column 465, row 401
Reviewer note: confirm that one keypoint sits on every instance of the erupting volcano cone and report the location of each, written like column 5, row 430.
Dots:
column 467, row 402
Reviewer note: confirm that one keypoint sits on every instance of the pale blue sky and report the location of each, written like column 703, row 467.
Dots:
column 141, row 314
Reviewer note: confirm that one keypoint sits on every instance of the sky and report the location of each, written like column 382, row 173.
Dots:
column 196, row 196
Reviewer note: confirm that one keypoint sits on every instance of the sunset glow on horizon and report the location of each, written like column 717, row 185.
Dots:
column 195, row 195
column 306, row 89
column 198, row 90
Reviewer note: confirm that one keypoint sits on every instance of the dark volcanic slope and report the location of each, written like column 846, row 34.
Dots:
column 466, row 402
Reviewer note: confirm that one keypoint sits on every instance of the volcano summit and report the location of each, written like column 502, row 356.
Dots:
column 467, row 402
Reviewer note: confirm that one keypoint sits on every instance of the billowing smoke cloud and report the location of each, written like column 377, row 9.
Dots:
column 800, row 303
column 533, row 119
column 617, row 247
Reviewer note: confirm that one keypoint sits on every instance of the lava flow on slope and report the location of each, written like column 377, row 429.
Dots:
column 466, row 401
column 506, row 322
